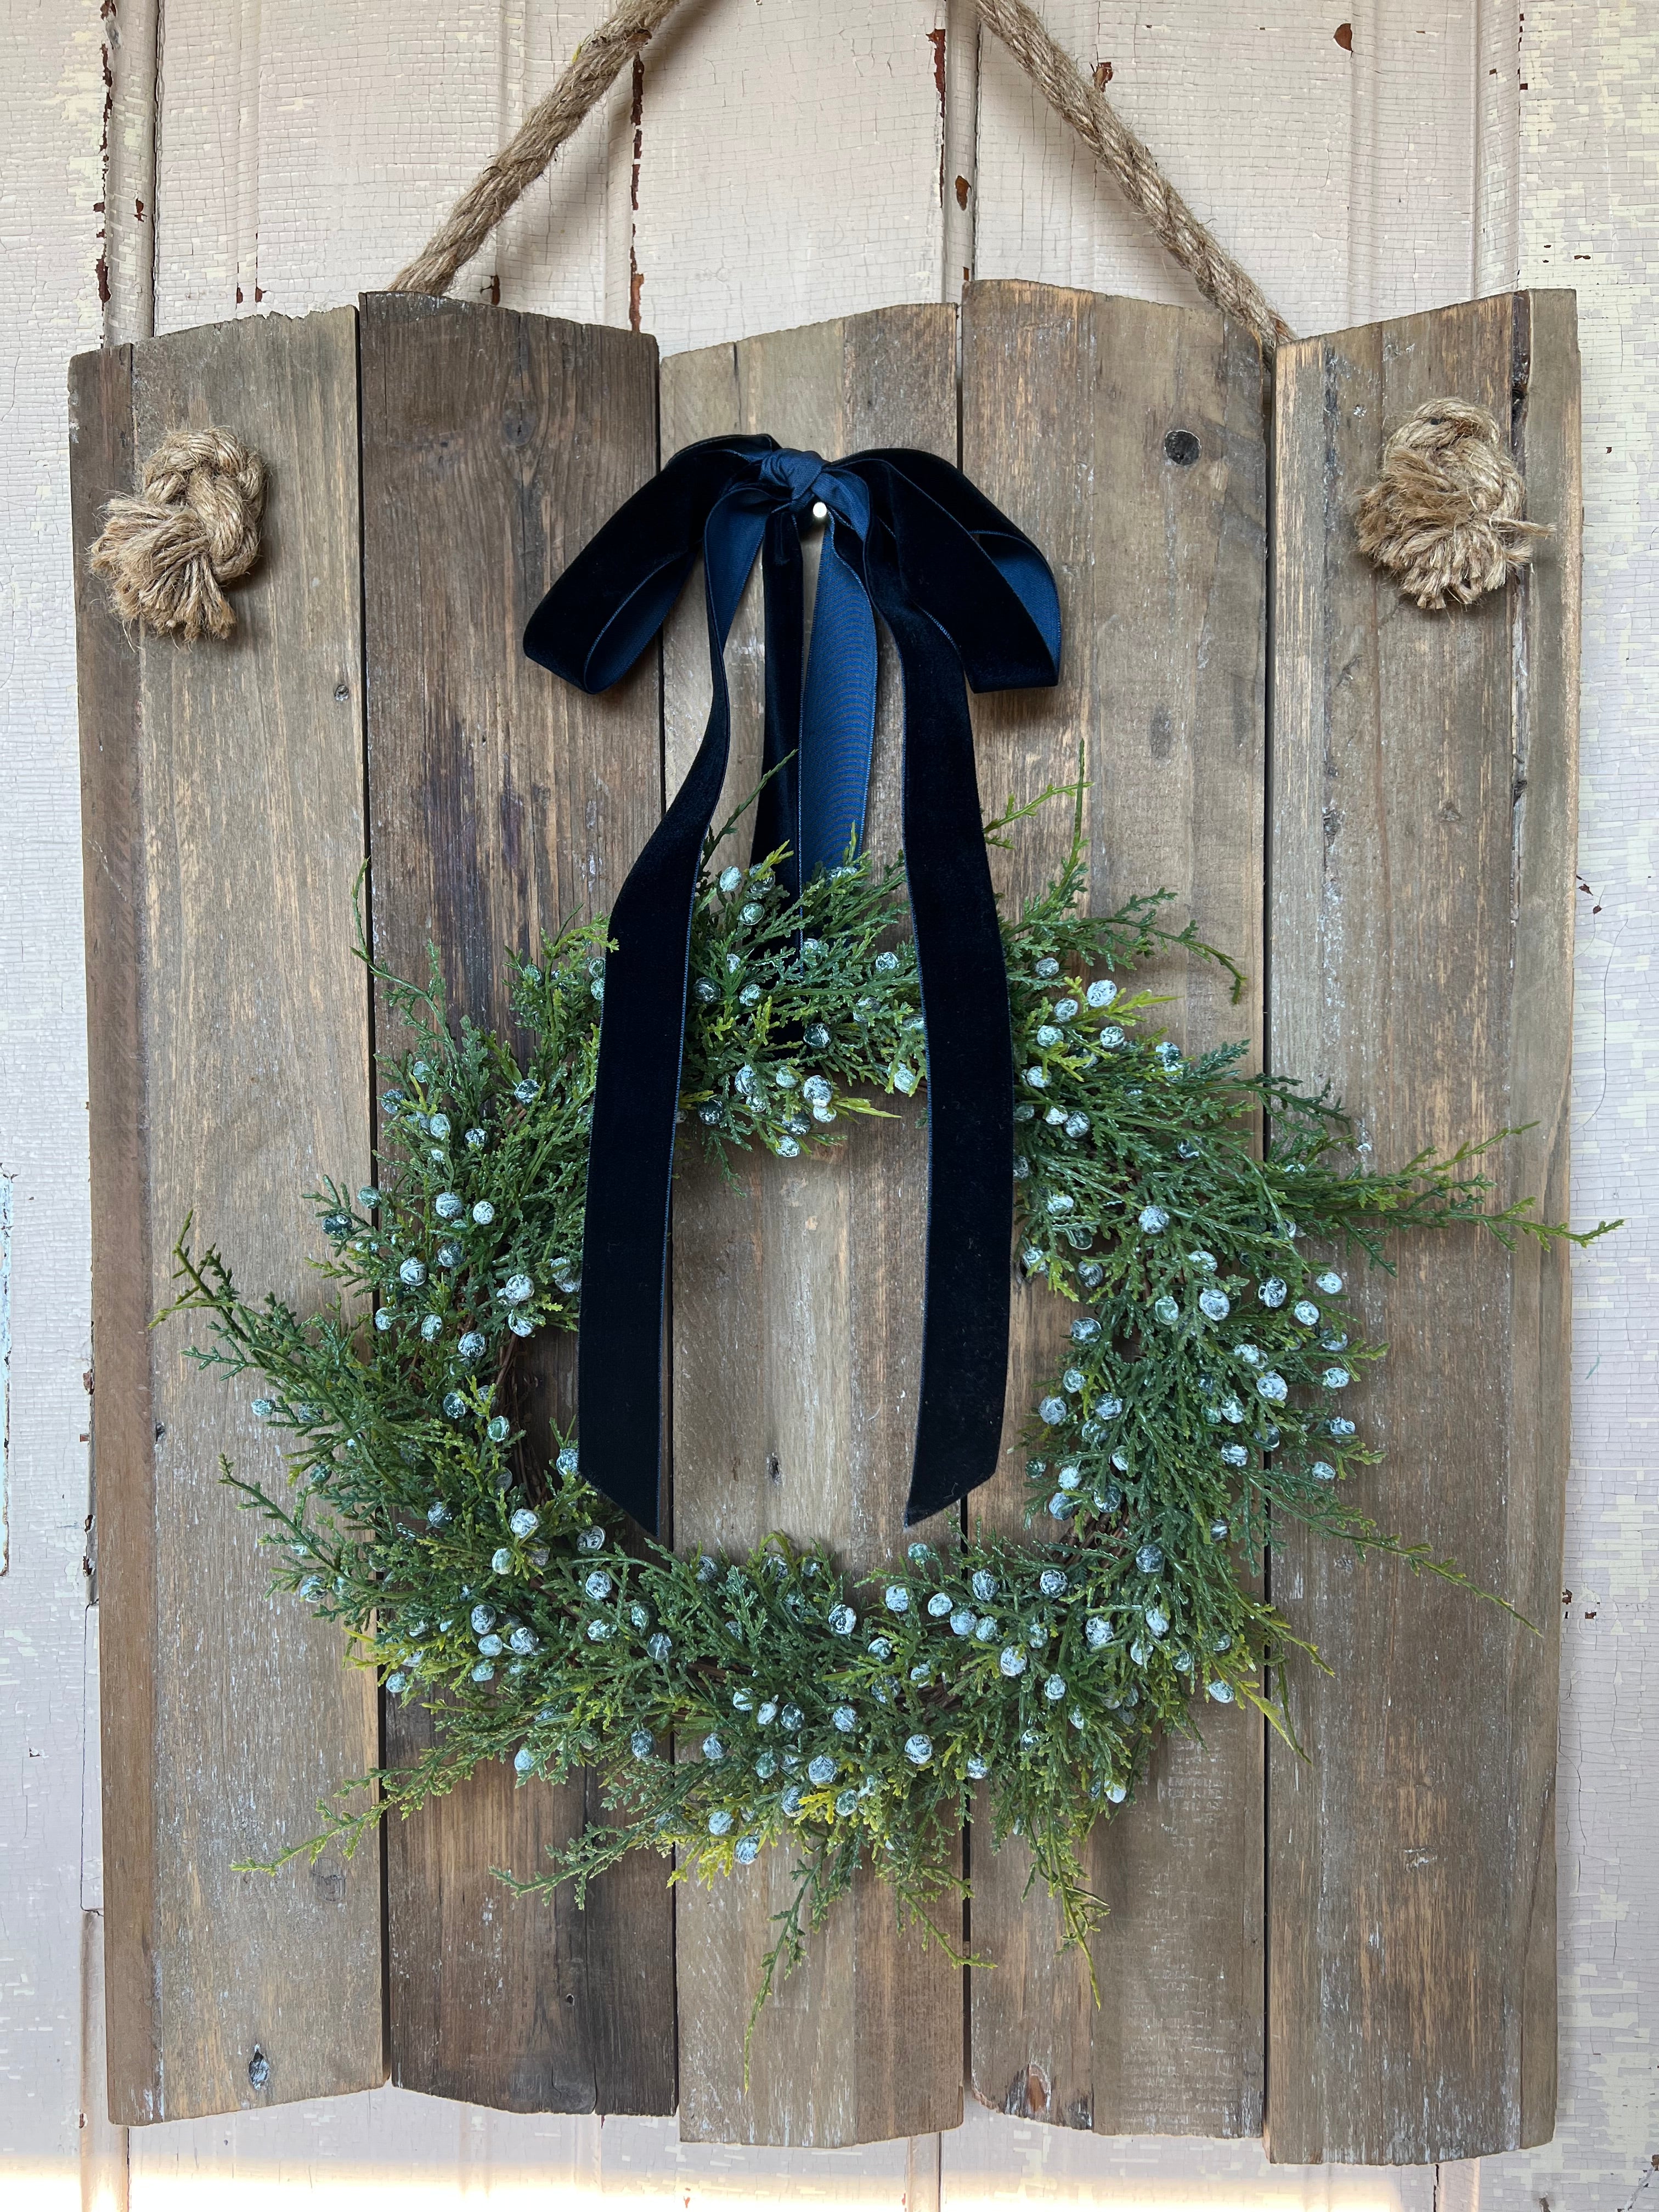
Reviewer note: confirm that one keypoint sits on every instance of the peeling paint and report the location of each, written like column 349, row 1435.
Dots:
column 635, row 274
column 1028, row 2093
column 101, row 267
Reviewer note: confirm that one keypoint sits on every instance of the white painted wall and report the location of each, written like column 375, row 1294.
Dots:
column 287, row 153
column 50, row 176
column 1589, row 204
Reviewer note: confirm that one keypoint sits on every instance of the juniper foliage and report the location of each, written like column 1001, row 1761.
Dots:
column 477, row 1574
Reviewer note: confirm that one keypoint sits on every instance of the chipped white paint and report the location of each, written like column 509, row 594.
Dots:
column 789, row 167
column 129, row 211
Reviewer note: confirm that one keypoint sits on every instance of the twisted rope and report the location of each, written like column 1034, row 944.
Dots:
column 1445, row 516
column 167, row 553
column 599, row 59
column 1129, row 163
column 591, row 70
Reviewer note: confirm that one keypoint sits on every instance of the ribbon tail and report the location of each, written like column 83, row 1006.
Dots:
column 838, row 715
column 970, row 1073
column 630, row 1156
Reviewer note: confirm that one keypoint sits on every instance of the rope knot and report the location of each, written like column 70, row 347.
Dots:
column 167, row 553
column 1446, row 517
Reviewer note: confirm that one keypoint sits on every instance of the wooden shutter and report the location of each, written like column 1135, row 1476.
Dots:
column 1372, row 806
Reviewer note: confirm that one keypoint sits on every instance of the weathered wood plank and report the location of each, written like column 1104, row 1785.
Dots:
column 797, row 1343
column 1422, row 874
column 229, row 1063
column 500, row 802
column 1130, row 440
column 123, row 1426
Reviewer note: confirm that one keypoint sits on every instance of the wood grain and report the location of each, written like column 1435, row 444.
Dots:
column 229, row 1050
column 1425, row 772
column 500, row 802
column 102, row 463
column 797, row 1343
column 1159, row 548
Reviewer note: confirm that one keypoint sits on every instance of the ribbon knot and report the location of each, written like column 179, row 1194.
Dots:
column 965, row 594
column 795, row 472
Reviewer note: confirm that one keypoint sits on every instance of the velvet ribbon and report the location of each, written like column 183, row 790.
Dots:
column 964, row 593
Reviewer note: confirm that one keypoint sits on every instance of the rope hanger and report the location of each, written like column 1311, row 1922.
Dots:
column 1446, row 517
column 601, row 57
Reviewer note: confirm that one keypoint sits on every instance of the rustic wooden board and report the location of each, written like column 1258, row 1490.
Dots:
column 1069, row 399
column 229, row 1062
column 1423, row 870
column 502, row 801
column 122, row 1435
column 797, row 1343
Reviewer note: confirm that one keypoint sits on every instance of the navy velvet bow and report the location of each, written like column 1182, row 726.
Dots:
column 963, row 593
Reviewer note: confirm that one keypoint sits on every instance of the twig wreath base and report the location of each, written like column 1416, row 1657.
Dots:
column 733, row 1705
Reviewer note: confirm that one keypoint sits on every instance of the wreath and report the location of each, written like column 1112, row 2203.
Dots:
column 730, row 1705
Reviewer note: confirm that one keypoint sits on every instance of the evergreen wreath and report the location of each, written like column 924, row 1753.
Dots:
column 479, row 1575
